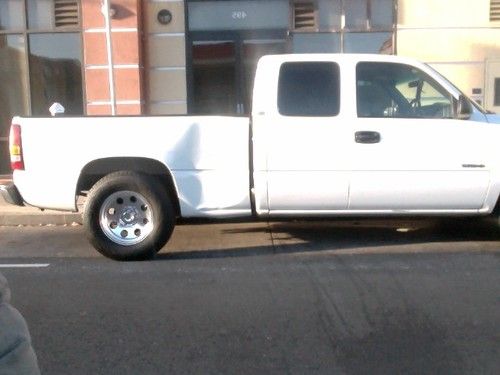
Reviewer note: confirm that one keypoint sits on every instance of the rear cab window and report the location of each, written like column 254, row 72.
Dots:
column 309, row 89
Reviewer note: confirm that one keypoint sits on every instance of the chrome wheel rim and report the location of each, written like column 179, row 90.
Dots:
column 126, row 218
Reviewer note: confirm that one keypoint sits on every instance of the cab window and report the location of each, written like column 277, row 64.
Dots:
column 399, row 90
column 309, row 89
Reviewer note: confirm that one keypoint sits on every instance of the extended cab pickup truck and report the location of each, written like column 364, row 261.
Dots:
column 328, row 135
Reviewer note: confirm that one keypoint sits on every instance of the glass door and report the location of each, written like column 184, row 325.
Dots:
column 223, row 69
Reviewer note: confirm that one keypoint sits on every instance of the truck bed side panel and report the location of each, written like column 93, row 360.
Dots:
column 207, row 156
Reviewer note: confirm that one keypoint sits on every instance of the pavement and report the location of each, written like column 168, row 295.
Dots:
column 262, row 298
column 11, row 215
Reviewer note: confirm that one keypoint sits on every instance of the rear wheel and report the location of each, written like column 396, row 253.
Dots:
column 128, row 216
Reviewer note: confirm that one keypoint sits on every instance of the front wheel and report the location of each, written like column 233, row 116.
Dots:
column 128, row 216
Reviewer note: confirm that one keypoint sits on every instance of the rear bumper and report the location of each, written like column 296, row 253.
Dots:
column 11, row 195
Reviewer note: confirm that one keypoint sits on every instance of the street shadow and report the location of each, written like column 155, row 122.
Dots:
column 343, row 235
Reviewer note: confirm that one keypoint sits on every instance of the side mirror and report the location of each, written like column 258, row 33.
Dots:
column 413, row 84
column 463, row 108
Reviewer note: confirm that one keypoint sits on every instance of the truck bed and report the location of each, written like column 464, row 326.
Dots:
column 208, row 157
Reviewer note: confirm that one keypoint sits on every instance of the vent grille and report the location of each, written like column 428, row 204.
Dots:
column 495, row 10
column 66, row 13
column 304, row 16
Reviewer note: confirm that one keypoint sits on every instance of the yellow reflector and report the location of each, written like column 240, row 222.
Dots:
column 15, row 150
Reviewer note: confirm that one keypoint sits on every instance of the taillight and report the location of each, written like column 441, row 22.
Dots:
column 16, row 147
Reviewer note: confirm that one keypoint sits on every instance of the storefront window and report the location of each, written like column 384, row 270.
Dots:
column 13, row 90
column 356, row 16
column 368, row 14
column 48, row 71
column 40, row 14
column 382, row 14
column 316, row 43
column 330, row 14
column 348, row 26
column 11, row 15
column 55, row 72
column 368, row 42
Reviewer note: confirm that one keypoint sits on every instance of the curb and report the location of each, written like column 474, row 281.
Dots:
column 40, row 219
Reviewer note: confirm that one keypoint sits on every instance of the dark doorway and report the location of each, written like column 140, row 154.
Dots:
column 214, row 77
column 223, row 67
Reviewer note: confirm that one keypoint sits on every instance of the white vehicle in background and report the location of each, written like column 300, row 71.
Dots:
column 329, row 135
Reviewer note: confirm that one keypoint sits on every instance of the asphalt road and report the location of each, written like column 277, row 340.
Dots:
column 281, row 298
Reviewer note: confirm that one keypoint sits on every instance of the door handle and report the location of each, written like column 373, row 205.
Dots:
column 367, row 137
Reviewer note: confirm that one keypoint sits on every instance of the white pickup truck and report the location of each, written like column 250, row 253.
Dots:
column 329, row 135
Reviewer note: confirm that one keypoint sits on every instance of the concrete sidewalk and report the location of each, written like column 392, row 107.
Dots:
column 11, row 215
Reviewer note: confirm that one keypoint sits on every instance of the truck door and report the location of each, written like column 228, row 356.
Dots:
column 301, row 145
column 409, row 152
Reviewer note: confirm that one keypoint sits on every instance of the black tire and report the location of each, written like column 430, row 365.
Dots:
column 128, row 216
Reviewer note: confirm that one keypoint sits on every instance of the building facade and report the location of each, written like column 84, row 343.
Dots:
column 158, row 57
